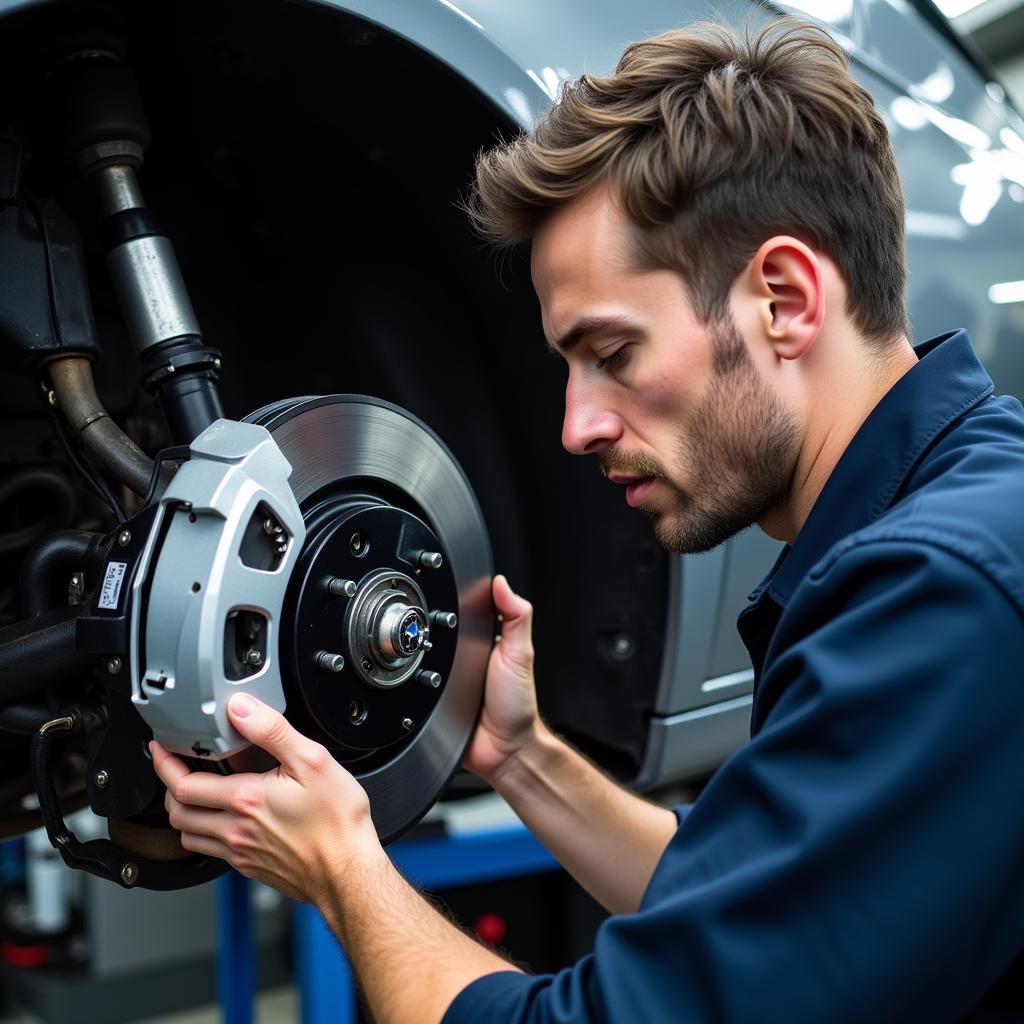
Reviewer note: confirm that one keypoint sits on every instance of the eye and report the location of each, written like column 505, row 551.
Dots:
column 614, row 359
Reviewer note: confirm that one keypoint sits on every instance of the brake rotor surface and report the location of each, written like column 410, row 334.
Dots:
column 382, row 498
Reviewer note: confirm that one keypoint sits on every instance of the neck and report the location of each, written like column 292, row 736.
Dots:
column 843, row 398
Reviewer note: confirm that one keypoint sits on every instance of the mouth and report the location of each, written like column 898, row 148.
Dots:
column 636, row 487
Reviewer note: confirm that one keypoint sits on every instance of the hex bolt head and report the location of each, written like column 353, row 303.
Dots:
column 447, row 619
column 407, row 724
column 253, row 657
column 130, row 873
column 430, row 559
column 114, row 665
column 330, row 662
column 101, row 779
column 268, row 525
column 341, row 588
column 428, row 678
column 124, row 538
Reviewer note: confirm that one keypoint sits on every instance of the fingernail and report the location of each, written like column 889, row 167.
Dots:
column 242, row 705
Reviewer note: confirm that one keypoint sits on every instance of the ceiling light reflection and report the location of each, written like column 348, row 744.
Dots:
column 1008, row 291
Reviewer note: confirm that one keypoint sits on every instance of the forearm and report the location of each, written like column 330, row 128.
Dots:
column 411, row 962
column 607, row 838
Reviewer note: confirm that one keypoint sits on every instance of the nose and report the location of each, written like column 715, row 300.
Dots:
column 589, row 425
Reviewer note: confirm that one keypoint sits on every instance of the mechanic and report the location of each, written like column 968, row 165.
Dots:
column 717, row 245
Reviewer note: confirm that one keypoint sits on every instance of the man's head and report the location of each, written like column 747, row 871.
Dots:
column 698, row 219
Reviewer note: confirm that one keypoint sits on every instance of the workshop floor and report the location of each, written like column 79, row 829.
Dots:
column 275, row 1006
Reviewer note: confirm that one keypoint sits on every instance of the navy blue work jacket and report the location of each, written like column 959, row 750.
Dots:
column 861, row 859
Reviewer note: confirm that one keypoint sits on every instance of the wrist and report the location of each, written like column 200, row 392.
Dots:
column 354, row 877
column 527, row 761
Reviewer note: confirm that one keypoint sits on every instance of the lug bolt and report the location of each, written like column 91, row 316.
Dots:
column 101, row 779
column 330, row 662
column 430, row 559
column 358, row 543
column 114, row 665
column 130, row 873
column 447, row 619
column 268, row 525
column 124, row 538
column 341, row 588
column 407, row 724
column 431, row 679
column 51, row 397
column 367, row 664
column 216, row 363
column 253, row 657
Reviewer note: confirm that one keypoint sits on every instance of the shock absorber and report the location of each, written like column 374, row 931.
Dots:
column 100, row 127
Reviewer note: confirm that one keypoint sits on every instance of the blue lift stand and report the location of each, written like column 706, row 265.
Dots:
column 326, row 987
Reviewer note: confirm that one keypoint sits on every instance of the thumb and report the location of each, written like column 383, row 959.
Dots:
column 516, row 620
column 268, row 729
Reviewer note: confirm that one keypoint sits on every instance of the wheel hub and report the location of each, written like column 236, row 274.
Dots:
column 366, row 665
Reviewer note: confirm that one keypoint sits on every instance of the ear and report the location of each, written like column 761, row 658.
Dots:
column 785, row 280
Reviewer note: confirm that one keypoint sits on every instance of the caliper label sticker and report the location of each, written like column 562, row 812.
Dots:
column 112, row 580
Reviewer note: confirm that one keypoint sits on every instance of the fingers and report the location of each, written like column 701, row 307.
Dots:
column 195, row 820
column 206, row 845
column 168, row 767
column 269, row 729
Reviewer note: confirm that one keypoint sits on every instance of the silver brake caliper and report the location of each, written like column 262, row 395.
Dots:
column 207, row 601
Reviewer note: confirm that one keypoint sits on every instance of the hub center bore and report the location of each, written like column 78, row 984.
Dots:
column 387, row 628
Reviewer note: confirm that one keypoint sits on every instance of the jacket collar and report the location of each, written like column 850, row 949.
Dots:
column 947, row 381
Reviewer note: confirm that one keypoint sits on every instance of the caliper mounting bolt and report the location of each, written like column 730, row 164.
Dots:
column 130, row 873
column 101, row 779
column 114, row 665
column 253, row 657
column 124, row 538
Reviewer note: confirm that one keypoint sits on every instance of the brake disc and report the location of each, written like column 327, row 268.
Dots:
column 393, row 579
column 329, row 556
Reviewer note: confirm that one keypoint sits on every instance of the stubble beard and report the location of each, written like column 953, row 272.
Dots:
column 738, row 453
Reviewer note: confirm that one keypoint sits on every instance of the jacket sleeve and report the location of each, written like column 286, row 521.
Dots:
column 861, row 858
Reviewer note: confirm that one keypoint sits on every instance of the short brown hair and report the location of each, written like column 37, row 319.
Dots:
column 715, row 141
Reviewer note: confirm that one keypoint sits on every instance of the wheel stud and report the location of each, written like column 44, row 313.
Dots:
column 447, row 619
column 330, row 662
column 341, row 588
column 428, row 678
column 430, row 559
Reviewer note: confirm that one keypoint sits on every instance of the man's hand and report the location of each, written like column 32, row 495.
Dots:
column 292, row 827
column 509, row 719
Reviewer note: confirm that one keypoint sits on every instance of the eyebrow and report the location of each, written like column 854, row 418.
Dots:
column 590, row 325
